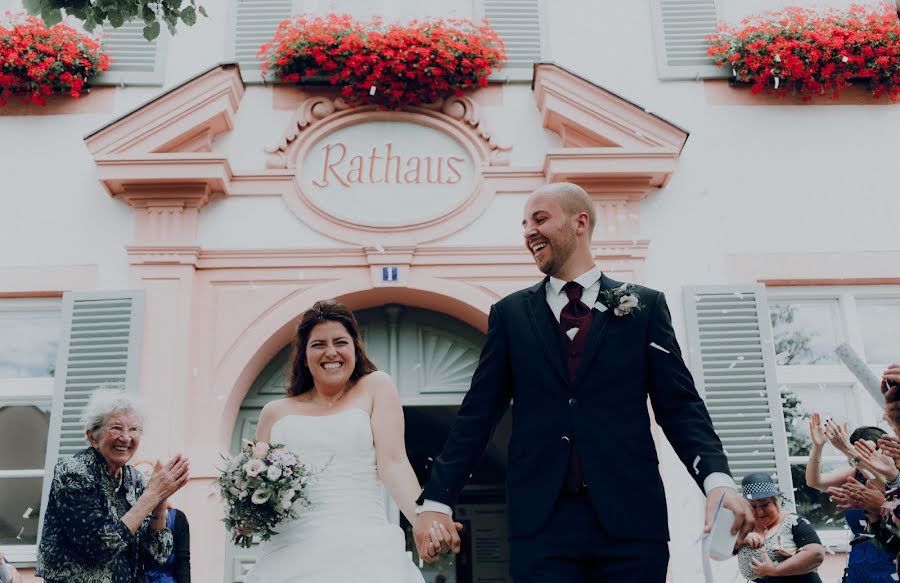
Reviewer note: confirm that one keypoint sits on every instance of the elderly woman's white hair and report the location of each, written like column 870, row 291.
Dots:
column 105, row 401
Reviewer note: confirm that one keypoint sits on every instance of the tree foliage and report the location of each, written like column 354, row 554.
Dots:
column 153, row 13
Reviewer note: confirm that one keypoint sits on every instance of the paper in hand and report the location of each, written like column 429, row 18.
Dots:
column 861, row 371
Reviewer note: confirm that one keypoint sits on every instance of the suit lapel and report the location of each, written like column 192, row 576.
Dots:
column 546, row 327
column 598, row 327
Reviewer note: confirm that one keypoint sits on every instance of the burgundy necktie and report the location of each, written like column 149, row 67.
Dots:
column 575, row 314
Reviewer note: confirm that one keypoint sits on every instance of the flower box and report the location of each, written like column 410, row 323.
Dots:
column 37, row 60
column 391, row 65
column 809, row 53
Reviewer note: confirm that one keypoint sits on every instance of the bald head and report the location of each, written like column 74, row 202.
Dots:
column 572, row 200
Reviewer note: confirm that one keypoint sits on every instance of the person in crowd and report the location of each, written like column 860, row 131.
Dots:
column 8, row 573
column 177, row 568
column 103, row 521
column 885, row 526
column 783, row 547
column 866, row 563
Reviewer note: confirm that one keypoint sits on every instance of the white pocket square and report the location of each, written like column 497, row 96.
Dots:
column 571, row 332
column 600, row 306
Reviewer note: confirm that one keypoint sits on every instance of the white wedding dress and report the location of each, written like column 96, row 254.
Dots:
column 344, row 535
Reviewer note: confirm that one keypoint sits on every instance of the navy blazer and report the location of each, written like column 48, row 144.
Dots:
column 604, row 410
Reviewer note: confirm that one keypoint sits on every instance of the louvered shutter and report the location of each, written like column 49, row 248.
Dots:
column 680, row 28
column 100, row 346
column 134, row 60
column 733, row 361
column 255, row 22
column 518, row 22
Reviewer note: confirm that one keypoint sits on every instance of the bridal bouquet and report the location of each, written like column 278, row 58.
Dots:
column 261, row 488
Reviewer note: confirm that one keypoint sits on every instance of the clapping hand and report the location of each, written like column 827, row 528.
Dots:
column 839, row 437
column 754, row 540
column 869, row 498
column 890, row 445
column 168, row 479
column 890, row 388
column 816, row 431
column 875, row 460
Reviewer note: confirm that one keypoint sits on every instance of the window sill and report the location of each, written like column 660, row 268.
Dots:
column 20, row 555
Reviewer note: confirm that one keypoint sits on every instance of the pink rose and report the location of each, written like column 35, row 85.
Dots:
column 260, row 450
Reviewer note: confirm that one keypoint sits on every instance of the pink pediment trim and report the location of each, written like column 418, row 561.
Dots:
column 184, row 119
column 604, row 136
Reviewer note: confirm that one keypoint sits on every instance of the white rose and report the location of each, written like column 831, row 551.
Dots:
column 628, row 301
column 273, row 473
column 254, row 468
column 260, row 496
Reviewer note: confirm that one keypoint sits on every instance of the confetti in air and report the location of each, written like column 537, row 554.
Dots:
column 372, row 90
column 658, row 347
column 19, row 536
column 696, row 469
column 28, row 512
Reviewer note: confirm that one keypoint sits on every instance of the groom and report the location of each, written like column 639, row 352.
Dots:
column 578, row 355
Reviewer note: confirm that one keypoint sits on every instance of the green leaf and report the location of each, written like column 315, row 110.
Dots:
column 51, row 16
column 116, row 19
column 189, row 16
column 147, row 14
column 151, row 31
column 202, row 11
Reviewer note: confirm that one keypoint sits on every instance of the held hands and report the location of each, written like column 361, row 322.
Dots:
column 435, row 533
column 169, row 478
column 743, row 514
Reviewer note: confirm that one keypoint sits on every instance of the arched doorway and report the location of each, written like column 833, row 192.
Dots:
column 431, row 357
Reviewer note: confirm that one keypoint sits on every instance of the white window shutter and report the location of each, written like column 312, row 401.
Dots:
column 255, row 22
column 134, row 60
column 100, row 346
column 733, row 361
column 680, row 28
column 518, row 22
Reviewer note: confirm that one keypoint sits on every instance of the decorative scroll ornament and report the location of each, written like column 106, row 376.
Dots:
column 317, row 109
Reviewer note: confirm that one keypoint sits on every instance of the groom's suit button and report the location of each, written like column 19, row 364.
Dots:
column 573, row 401
column 565, row 439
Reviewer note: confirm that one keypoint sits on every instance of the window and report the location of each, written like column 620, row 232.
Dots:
column 30, row 331
column 807, row 324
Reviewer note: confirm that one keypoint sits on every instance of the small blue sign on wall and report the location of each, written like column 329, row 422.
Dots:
column 388, row 274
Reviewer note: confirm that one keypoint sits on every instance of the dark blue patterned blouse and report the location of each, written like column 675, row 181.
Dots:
column 84, row 539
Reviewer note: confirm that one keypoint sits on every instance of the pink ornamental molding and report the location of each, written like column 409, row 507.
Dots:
column 462, row 112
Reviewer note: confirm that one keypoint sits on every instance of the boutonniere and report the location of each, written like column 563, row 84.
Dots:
column 621, row 300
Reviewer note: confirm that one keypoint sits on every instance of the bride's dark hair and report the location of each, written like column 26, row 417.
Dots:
column 301, row 379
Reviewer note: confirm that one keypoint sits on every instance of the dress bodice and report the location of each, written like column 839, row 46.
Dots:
column 340, row 450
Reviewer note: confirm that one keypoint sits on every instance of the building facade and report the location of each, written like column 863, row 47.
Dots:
column 166, row 231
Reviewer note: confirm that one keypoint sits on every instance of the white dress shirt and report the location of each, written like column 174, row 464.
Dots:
column 557, row 300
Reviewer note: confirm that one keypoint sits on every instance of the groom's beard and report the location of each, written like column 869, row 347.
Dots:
column 561, row 249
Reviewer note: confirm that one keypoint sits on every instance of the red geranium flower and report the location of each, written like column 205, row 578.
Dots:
column 390, row 65
column 37, row 60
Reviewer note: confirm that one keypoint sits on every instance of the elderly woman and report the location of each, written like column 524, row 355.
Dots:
column 783, row 547
column 103, row 522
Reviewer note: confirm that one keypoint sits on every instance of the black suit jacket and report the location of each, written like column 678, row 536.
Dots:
column 604, row 410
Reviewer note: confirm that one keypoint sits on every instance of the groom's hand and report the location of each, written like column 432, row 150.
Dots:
column 435, row 527
column 743, row 513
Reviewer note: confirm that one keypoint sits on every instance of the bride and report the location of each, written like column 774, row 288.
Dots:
column 343, row 416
